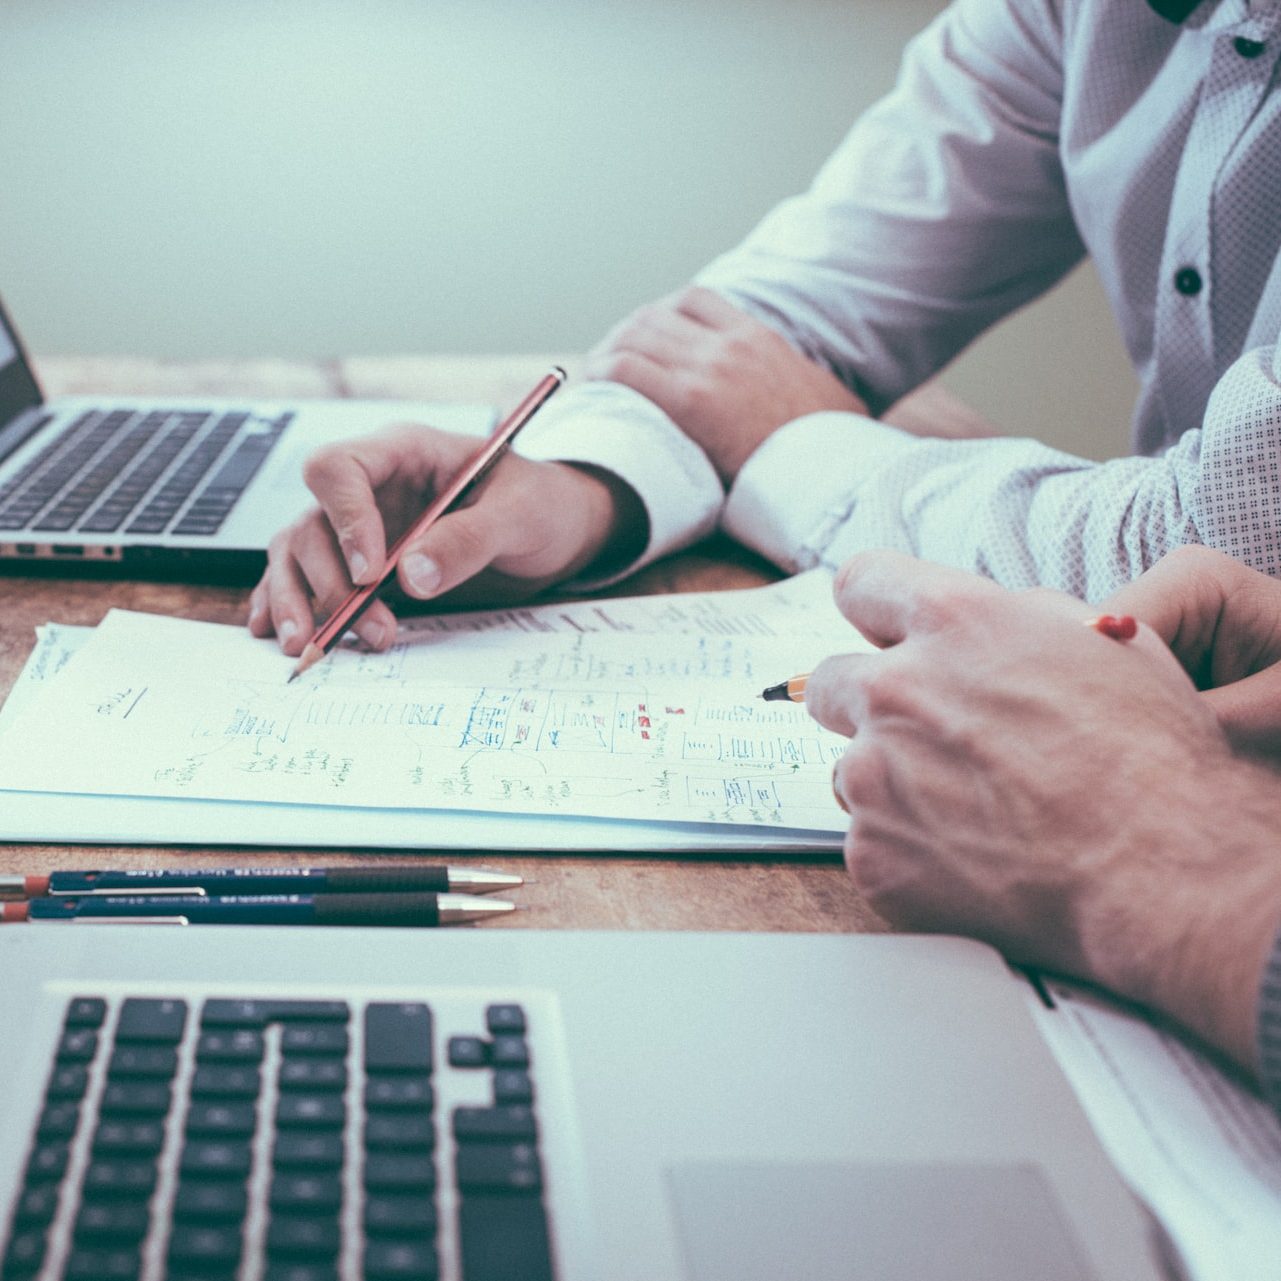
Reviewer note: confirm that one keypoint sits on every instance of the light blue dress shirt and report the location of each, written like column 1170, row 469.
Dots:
column 1021, row 135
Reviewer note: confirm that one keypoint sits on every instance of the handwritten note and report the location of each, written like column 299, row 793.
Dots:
column 577, row 723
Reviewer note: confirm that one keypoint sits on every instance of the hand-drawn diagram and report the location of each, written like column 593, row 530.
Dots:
column 571, row 724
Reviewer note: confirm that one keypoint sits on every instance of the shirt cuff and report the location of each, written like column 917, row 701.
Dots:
column 801, row 484
column 607, row 425
column 1269, row 1028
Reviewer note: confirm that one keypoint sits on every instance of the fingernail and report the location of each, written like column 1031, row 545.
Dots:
column 422, row 573
column 375, row 634
column 255, row 613
column 288, row 630
column 358, row 566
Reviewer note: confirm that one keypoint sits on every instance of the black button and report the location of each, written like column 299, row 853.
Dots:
column 397, row 1038
column 86, row 1011
column 214, row 1201
column 501, row 1237
column 468, row 1052
column 311, row 1111
column 410, row 1260
column 135, row 1098
column 397, row 1132
column 113, row 1180
column 1248, row 48
column 399, row 1172
column 157, row 1062
column 314, row 1038
column 225, row 1083
column 297, row 1235
column 313, row 1074
column 498, row 1167
column 489, row 1124
column 306, row 1193
column 505, row 1018
column 1187, row 280
column 403, row 1093
column 513, row 1087
column 399, row 1216
column 308, row 1151
column 158, row 1022
column 221, row 1119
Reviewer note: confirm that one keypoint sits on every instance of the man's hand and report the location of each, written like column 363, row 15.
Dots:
column 725, row 379
column 1223, row 622
column 527, row 526
column 1016, row 776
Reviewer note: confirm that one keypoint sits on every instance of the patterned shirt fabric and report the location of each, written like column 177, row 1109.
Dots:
column 1021, row 135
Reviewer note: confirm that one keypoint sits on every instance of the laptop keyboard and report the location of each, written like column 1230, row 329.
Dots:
column 291, row 1140
column 143, row 472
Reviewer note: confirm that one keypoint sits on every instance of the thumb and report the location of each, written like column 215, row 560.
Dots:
column 1249, row 711
column 456, row 548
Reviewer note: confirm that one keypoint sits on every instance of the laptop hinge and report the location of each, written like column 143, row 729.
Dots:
column 17, row 431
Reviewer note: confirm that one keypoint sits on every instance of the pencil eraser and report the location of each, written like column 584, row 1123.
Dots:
column 13, row 912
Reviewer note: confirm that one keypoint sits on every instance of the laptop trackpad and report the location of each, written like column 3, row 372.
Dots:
column 760, row 1222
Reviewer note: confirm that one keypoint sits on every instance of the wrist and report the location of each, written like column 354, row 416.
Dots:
column 615, row 527
column 1193, row 940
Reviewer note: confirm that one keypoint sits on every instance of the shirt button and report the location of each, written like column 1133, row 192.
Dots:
column 1248, row 48
column 1187, row 280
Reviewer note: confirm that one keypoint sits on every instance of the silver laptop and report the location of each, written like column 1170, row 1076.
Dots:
column 303, row 1105
column 174, row 487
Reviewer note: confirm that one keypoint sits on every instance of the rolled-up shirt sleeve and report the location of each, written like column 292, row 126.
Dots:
column 1018, row 511
column 1269, row 1028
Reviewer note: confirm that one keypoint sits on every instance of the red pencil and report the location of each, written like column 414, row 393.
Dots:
column 331, row 631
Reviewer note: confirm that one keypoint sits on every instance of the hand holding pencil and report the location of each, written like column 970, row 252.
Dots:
column 531, row 524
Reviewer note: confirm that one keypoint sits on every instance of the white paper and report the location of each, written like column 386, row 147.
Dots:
column 1197, row 1146
column 573, row 725
column 799, row 607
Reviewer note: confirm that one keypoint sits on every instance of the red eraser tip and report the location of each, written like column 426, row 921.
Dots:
column 10, row 912
column 36, row 886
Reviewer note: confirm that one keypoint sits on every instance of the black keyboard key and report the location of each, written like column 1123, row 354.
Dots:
column 294, row 1235
column 135, row 1098
column 77, row 1045
column 149, row 1062
column 129, row 1138
column 86, row 1011
column 205, row 1245
column 307, row 1193
column 399, row 1172
column 387, row 1214
column 399, row 1132
column 154, row 1022
column 24, row 1254
column 67, row 1081
column 505, row 1019
column 410, row 1260
column 498, row 1167
column 210, row 1201
column 225, row 1013
column 301, row 1270
column 105, row 1221
column 486, row 1125
column 399, row 1093
column 309, row 1011
column 468, row 1052
column 112, row 1179
column 398, row 1037
column 219, row 1082
column 513, row 1086
column 47, row 1162
column 304, row 1151
column 123, row 1264
column 314, row 1038
column 311, row 1111
column 319, row 1075
column 258, row 1013
column 234, row 1045
column 501, row 1238
column 509, row 1051
column 58, row 1120
column 221, row 1119
column 214, row 1158
column 36, row 1206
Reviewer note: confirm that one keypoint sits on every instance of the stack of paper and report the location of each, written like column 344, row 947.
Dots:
column 616, row 725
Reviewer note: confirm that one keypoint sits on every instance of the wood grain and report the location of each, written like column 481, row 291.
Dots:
column 596, row 891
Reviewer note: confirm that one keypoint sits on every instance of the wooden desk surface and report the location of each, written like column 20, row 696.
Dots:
column 573, row 891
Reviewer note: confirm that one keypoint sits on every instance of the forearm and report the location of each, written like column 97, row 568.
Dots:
column 1013, row 510
column 943, row 209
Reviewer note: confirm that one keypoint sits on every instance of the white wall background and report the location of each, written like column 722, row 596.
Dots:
column 314, row 177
